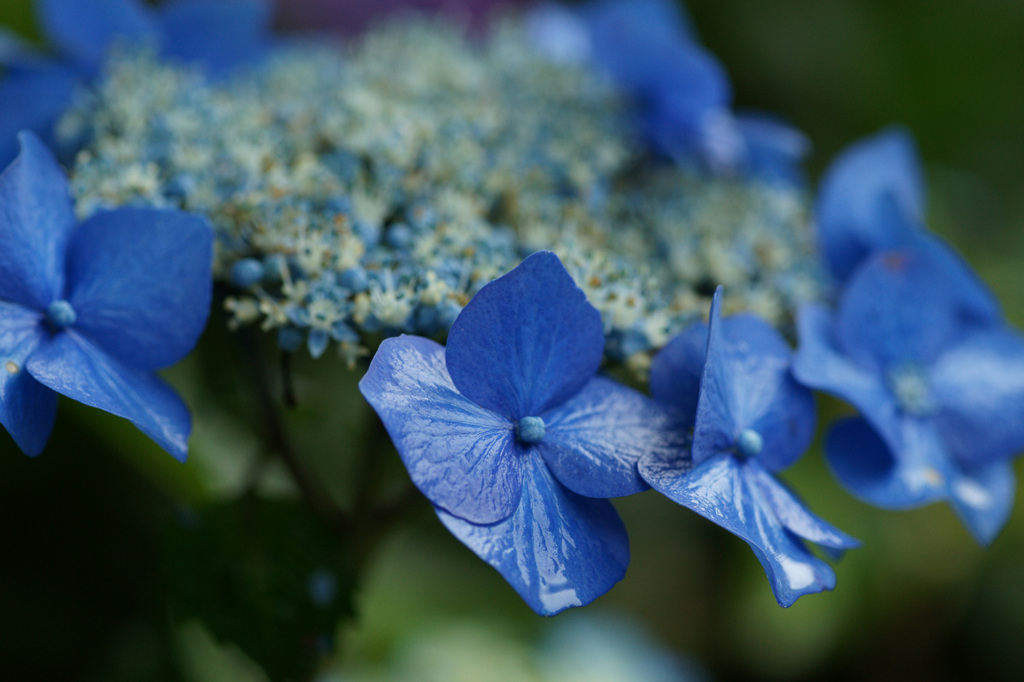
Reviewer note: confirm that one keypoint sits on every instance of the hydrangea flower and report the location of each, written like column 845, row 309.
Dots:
column 219, row 34
column 871, row 199
column 90, row 310
column 681, row 91
column 731, row 380
column 511, row 436
column 938, row 383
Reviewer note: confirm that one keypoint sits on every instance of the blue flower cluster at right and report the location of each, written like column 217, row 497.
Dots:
column 914, row 341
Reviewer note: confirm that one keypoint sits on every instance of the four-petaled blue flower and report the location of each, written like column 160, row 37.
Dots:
column 511, row 435
column 680, row 90
column 731, row 380
column 218, row 34
column 90, row 310
column 939, row 384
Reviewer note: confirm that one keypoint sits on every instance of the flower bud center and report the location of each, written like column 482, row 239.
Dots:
column 60, row 314
column 749, row 443
column 530, row 429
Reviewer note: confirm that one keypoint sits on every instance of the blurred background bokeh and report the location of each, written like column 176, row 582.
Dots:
column 84, row 552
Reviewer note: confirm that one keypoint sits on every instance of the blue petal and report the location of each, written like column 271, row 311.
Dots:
column 796, row 518
column 527, row 341
column 716, row 426
column 594, row 440
column 921, row 472
column 819, row 363
column 71, row 365
column 140, row 281
column 910, row 473
column 558, row 550
column 631, row 39
column 463, row 457
column 85, row 30
column 774, row 149
column 37, row 219
column 27, row 408
column 983, row 498
column 747, row 385
column 15, row 51
column 903, row 308
column 676, row 371
column 43, row 92
column 852, row 220
column 221, row 34
column 978, row 387
column 731, row 494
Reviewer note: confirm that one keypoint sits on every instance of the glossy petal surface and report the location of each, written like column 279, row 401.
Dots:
column 36, row 221
column 43, row 91
column 86, row 29
column 731, row 493
column 463, row 457
column 850, row 210
column 140, row 281
column 527, row 341
column 557, row 550
column 221, row 34
column 978, row 387
column 747, row 385
column 676, row 371
column 594, row 440
column 71, row 365
column 27, row 408
column 792, row 513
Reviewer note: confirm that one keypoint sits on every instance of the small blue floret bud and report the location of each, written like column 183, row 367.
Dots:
column 749, row 443
column 530, row 429
column 246, row 272
column 60, row 314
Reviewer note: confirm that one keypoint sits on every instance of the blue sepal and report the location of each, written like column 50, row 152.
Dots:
column 558, row 549
column 527, row 341
column 219, row 34
column 463, row 457
column 37, row 219
column 141, row 283
column 27, row 408
column 593, row 441
column 69, row 364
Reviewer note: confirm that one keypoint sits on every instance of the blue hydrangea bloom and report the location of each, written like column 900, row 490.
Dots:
column 90, row 310
column 871, row 199
column 731, row 380
column 938, row 382
column 218, row 34
column 681, row 91
column 511, row 435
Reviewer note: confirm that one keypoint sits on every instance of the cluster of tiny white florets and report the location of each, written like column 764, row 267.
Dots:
column 374, row 188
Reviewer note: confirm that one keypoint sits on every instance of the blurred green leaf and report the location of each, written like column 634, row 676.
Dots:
column 264, row 575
